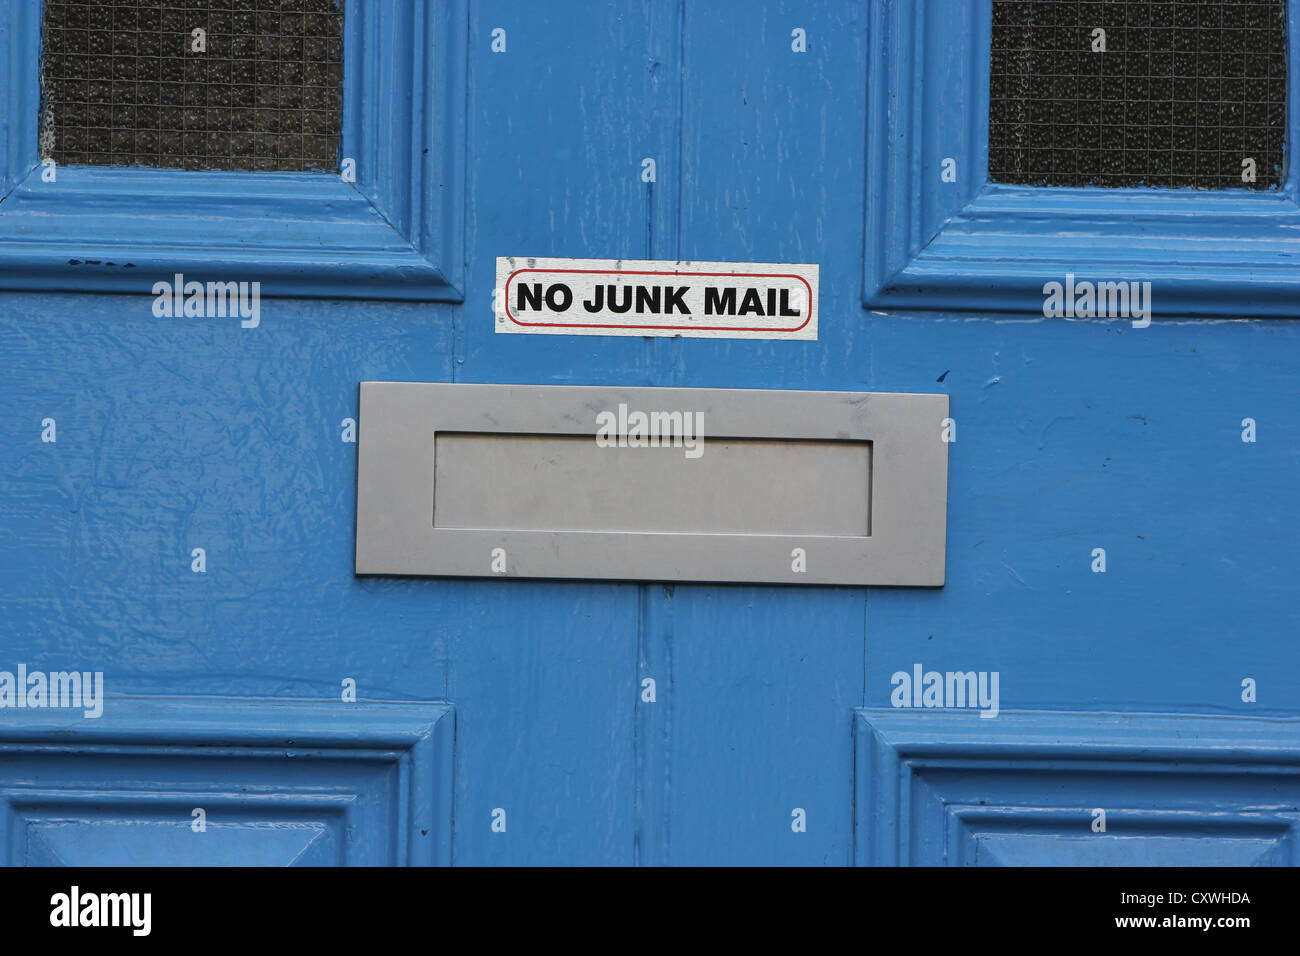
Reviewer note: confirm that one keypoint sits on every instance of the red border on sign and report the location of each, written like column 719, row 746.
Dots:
column 685, row 328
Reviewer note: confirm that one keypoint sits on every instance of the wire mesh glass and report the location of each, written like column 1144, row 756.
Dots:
column 1170, row 94
column 131, row 82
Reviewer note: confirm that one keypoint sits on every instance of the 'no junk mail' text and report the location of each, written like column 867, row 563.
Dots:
column 624, row 297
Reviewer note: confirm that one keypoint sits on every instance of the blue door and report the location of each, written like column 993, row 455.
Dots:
column 1108, row 675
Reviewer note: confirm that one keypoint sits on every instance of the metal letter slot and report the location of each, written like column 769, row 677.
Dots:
column 652, row 484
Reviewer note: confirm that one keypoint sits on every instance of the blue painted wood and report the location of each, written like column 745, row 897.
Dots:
column 543, row 678
column 183, row 433
column 397, row 232
column 946, row 788
column 279, row 782
column 762, row 681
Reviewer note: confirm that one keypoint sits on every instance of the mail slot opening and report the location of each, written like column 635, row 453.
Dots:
column 563, row 482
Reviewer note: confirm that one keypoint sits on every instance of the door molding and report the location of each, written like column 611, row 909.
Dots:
column 939, row 787
column 397, row 232
column 972, row 245
column 353, row 783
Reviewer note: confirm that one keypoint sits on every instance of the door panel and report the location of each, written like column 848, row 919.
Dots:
column 195, row 781
column 1059, row 788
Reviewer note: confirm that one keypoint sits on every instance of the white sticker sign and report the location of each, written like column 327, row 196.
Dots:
column 724, row 300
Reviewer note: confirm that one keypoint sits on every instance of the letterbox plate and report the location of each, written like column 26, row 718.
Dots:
column 652, row 484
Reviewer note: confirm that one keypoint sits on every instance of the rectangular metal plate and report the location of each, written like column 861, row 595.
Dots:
column 569, row 483
column 763, row 486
